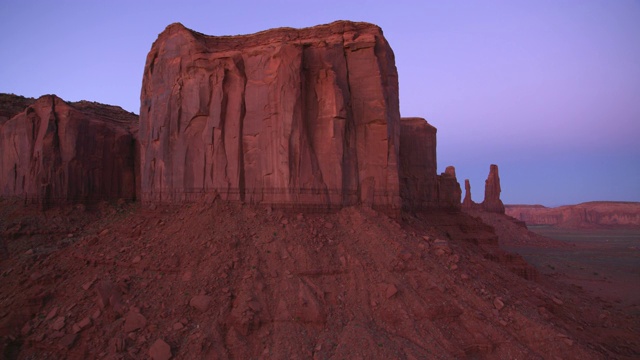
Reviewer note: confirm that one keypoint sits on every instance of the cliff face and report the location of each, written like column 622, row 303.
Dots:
column 307, row 117
column 56, row 152
column 583, row 215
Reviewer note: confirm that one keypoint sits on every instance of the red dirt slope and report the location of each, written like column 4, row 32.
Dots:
column 231, row 281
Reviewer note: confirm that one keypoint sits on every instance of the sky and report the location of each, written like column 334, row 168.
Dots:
column 547, row 90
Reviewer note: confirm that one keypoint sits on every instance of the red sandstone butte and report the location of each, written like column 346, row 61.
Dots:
column 492, row 202
column 287, row 117
column 57, row 152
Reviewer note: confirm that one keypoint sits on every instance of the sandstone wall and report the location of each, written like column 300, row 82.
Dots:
column 57, row 152
column 284, row 116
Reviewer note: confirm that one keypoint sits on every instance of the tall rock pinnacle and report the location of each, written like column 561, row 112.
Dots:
column 467, row 203
column 492, row 202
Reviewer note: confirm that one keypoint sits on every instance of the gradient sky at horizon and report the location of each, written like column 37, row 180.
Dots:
column 548, row 90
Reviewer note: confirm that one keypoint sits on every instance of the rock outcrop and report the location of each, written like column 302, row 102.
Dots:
column 57, row 152
column 11, row 105
column 585, row 215
column 467, row 203
column 287, row 117
column 492, row 202
column 449, row 193
column 418, row 164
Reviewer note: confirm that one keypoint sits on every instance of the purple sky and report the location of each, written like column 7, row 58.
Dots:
column 548, row 90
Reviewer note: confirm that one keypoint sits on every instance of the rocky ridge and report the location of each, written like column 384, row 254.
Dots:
column 55, row 152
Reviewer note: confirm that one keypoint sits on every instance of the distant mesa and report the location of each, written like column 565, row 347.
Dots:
column 54, row 152
column 586, row 215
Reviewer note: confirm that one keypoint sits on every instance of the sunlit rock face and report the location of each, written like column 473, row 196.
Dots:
column 54, row 152
column 290, row 117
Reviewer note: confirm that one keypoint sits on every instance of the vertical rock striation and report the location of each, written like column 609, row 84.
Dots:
column 56, row 152
column 289, row 117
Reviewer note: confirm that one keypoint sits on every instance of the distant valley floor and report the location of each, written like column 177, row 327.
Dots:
column 605, row 262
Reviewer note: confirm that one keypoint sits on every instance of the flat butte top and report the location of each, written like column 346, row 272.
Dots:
column 351, row 33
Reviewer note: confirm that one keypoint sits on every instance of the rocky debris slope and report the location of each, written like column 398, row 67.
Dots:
column 585, row 215
column 55, row 152
column 232, row 281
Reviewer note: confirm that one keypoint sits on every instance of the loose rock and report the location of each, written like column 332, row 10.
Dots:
column 160, row 350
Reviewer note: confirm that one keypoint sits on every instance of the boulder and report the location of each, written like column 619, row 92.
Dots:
column 160, row 350
column 284, row 117
column 57, row 152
